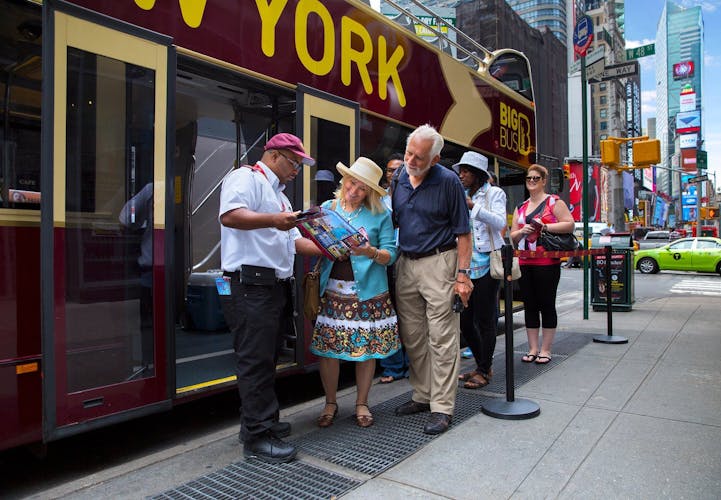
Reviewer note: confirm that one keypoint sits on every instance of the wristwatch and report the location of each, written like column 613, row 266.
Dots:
column 464, row 271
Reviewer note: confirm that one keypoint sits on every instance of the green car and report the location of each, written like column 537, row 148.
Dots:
column 687, row 254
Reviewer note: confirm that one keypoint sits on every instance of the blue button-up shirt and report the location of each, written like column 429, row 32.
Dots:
column 432, row 214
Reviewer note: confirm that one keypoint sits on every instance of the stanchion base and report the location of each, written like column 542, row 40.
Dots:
column 610, row 339
column 519, row 409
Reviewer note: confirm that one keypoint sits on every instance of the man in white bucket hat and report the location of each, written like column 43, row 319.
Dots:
column 429, row 207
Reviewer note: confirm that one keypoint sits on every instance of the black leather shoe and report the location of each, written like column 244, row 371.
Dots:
column 268, row 448
column 437, row 423
column 279, row 430
column 411, row 407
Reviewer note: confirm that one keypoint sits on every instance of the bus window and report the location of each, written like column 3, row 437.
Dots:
column 513, row 70
column 20, row 130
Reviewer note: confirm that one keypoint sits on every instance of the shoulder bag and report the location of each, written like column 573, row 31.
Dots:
column 558, row 241
column 311, row 291
column 496, row 261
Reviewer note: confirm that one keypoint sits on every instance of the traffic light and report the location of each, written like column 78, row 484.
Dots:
column 703, row 213
column 610, row 154
column 641, row 206
column 566, row 170
column 712, row 213
column 646, row 152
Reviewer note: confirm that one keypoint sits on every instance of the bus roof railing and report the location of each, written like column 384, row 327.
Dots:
column 442, row 41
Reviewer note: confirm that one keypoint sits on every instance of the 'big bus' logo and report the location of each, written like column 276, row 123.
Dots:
column 515, row 130
column 357, row 47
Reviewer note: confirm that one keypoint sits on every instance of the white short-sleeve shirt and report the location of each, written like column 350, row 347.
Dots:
column 266, row 247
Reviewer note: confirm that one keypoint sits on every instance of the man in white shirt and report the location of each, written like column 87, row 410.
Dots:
column 259, row 241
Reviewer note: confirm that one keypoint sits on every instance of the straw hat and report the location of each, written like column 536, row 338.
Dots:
column 366, row 171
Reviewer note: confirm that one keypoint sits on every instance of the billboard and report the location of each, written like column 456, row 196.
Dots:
column 687, row 102
column 688, row 122
column 688, row 141
column 683, row 70
column 688, row 160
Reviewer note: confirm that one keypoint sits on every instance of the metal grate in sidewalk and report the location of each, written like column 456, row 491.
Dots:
column 390, row 440
column 369, row 451
column 257, row 480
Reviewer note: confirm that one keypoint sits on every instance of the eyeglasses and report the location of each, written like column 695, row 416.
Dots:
column 533, row 178
column 295, row 164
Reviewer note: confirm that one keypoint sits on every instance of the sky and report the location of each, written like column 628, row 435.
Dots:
column 642, row 18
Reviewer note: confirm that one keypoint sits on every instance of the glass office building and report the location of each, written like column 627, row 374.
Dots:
column 679, row 67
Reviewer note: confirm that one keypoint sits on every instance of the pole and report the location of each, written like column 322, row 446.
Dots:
column 584, row 193
column 511, row 408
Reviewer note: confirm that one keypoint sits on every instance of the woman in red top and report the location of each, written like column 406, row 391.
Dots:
column 539, row 276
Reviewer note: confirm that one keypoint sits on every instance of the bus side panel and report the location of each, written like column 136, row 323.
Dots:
column 20, row 380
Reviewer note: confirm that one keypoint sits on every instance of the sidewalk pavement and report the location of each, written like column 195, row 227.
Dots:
column 634, row 420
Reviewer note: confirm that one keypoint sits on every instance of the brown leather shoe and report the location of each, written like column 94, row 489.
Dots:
column 437, row 423
column 326, row 419
column 411, row 407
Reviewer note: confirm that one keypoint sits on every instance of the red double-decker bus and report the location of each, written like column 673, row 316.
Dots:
column 120, row 119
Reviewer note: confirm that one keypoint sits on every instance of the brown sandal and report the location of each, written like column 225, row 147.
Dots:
column 326, row 419
column 363, row 420
column 476, row 382
column 466, row 376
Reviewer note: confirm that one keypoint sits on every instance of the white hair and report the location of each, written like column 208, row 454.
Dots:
column 427, row 132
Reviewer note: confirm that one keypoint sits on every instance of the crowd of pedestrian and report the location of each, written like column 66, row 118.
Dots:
column 429, row 233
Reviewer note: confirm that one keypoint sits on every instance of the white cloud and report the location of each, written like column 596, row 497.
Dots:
column 710, row 60
column 630, row 44
column 648, row 103
column 706, row 5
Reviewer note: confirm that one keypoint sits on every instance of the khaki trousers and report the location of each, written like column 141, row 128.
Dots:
column 429, row 328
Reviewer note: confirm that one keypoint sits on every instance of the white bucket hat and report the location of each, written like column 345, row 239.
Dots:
column 473, row 160
column 366, row 171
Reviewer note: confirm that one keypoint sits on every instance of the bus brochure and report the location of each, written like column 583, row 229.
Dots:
column 329, row 231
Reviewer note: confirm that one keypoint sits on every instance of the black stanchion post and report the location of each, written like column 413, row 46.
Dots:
column 511, row 408
column 609, row 338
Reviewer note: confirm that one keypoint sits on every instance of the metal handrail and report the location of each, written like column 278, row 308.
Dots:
column 210, row 193
column 482, row 61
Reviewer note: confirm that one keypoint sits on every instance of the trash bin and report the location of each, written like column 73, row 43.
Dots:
column 621, row 279
column 203, row 301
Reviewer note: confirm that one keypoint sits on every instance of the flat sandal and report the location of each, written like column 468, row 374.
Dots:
column 326, row 419
column 363, row 420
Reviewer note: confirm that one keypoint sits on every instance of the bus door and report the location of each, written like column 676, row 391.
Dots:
column 102, row 230
column 329, row 127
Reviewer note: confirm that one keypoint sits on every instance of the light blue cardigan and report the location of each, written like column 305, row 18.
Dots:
column 370, row 277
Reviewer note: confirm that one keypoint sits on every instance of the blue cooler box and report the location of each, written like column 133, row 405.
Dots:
column 203, row 301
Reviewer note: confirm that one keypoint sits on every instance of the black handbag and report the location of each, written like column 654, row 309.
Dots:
column 558, row 241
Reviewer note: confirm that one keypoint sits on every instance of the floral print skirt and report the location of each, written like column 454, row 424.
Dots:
column 354, row 330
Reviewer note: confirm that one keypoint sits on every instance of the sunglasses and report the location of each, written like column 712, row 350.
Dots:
column 533, row 178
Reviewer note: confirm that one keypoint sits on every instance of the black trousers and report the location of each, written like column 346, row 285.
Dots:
column 538, row 286
column 479, row 321
column 257, row 316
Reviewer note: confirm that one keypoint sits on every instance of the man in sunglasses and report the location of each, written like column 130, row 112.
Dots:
column 258, row 243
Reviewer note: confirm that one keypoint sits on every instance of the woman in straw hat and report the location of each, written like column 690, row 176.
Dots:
column 357, row 321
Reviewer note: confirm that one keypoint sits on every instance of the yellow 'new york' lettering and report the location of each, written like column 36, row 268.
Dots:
column 191, row 10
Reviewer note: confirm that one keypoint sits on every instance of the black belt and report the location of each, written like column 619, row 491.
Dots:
column 435, row 251
column 235, row 275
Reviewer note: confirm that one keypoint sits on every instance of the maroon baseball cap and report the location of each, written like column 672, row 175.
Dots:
column 291, row 143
